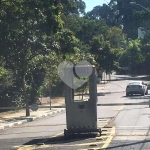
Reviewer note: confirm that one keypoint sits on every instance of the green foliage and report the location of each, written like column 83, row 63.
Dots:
column 133, row 57
column 73, row 7
column 107, row 49
column 73, row 23
column 28, row 41
column 67, row 41
column 105, row 13
column 115, row 36
column 131, row 16
column 6, row 79
column 91, row 28
column 144, row 66
column 135, row 52
column 101, row 49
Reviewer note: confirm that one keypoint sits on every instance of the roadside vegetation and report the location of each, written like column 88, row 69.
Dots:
column 36, row 36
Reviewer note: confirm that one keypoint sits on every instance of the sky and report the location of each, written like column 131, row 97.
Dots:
column 92, row 3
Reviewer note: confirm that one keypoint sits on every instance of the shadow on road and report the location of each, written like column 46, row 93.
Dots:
column 61, row 139
column 138, row 97
column 130, row 103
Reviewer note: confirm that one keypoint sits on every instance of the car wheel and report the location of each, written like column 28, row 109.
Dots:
column 146, row 92
column 143, row 94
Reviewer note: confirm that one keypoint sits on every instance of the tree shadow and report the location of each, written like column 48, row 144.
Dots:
column 130, row 103
column 139, row 97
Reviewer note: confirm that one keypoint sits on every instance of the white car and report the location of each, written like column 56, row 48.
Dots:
column 136, row 87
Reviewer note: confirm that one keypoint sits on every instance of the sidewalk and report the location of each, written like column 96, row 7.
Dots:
column 12, row 118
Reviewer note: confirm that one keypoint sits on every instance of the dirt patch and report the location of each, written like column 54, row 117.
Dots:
column 58, row 100
column 8, row 113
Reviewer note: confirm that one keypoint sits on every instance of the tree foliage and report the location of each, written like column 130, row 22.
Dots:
column 31, row 32
column 104, row 54
column 131, row 17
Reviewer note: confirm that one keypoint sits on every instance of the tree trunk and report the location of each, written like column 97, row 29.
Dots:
column 25, row 97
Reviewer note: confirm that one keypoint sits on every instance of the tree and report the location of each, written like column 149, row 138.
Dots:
column 32, row 41
column 130, row 17
column 102, row 51
column 135, row 55
column 73, row 7
column 115, row 36
column 27, row 25
column 105, row 13
column 145, row 50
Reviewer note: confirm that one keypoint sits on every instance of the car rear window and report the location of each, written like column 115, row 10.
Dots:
column 134, row 83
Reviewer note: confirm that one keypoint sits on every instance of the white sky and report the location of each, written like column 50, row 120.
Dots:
column 92, row 3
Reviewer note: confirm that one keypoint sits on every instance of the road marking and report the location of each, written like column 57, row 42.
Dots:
column 107, row 142
column 88, row 144
column 121, row 107
column 57, row 135
column 32, row 147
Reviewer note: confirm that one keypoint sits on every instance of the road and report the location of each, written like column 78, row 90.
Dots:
column 132, row 124
column 125, row 122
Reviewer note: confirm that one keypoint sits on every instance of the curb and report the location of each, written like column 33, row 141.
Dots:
column 9, row 125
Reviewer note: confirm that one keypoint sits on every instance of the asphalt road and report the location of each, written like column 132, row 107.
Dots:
column 132, row 123
column 125, row 122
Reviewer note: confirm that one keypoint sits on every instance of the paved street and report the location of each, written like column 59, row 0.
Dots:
column 132, row 122
column 125, row 122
